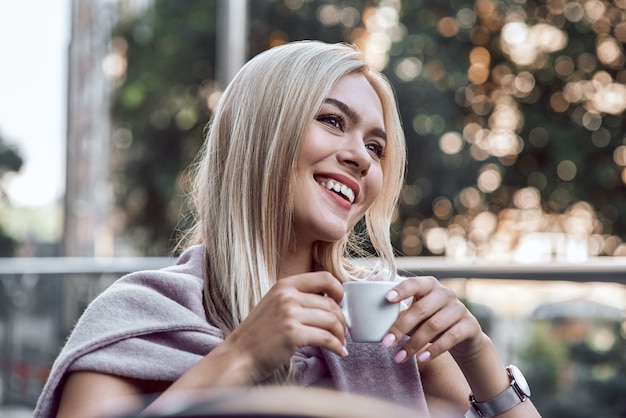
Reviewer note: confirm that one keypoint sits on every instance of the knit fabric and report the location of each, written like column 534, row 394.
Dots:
column 152, row 325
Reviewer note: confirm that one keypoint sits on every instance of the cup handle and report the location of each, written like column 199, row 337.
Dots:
column 344, row 309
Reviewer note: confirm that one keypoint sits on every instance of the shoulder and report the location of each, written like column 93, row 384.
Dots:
column 150, row 299
column 181, row 284
column 186, row 271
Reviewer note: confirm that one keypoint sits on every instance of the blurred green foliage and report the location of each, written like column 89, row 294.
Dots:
column 482, row 121
column 159, row 115
column 576, row 378
column 10, row 162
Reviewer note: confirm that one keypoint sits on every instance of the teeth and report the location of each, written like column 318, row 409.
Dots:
column 344, row 189
column 339, row 188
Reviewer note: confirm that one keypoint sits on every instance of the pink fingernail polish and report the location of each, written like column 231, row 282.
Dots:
column 423, row 356
column 400, row 356
column 345, row 352
column 391, row 296
column 389, row 340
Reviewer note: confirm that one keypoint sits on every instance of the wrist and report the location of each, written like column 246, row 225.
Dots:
column 233, row 367
column 471, row 351
column 517, row 392
column 219, row 368
column 483, row 369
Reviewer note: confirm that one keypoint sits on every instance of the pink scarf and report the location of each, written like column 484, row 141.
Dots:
column 159, row 315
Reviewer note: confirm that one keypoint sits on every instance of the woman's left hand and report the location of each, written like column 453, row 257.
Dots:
column 436, row 321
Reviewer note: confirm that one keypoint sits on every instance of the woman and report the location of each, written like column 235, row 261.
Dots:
column 305, row 143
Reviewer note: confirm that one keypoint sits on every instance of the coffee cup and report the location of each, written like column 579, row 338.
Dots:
column 368, row 314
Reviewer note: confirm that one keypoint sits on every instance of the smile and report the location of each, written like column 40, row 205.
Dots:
column 339, row 188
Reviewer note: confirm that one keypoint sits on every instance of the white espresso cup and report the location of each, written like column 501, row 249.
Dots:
column 368, row 314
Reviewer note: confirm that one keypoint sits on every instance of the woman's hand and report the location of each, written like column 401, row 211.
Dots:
column 298, row 311
column 436, row 322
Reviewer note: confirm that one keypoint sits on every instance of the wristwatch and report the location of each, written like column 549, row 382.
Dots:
column 517, row 392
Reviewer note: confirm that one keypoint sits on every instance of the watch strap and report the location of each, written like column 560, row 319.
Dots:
column 472, row 413
column 496, row 406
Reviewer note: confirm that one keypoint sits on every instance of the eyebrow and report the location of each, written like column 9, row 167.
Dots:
column 354, row 116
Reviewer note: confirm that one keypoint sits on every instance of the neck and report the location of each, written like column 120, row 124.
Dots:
column 296, row 260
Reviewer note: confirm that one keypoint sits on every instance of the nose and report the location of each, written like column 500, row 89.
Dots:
column 355, row 155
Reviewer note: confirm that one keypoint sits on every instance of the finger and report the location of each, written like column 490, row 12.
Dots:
column 412, row 287
column 322, row 338
column 317, row 301
column 325, row 320
column 327, row 305
column 288, row 294
column 440, row 329
column 291, row 307
column 421, row 310
column 321, row 282
column 452, row 338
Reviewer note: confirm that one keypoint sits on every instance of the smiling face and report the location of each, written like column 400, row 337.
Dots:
column 338, row 173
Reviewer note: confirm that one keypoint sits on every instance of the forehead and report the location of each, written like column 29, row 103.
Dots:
column 356, row 91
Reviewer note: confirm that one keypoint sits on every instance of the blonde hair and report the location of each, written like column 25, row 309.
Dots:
column 243, row 179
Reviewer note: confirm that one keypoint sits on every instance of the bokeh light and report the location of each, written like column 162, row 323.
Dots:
column 538, row 88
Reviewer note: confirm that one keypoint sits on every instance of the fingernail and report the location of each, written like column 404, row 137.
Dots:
column 400, row 356
column 345, row 352
column 389, row 340
column 423, row 356
column 392, row 296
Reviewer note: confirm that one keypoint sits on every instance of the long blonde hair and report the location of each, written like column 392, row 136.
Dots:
column 243, row 179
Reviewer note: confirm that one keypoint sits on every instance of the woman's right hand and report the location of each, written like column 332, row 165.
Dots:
column 298, row 311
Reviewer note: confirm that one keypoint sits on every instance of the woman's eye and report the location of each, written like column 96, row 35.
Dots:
column 335, row 121
column 376, row 149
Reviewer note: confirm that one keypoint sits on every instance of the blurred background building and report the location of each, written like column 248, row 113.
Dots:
column 92, row 67
column 87, row 193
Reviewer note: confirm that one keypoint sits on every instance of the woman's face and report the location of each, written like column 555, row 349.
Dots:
column 338, row 172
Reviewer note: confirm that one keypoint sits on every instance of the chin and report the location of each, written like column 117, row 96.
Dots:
column 335, row 237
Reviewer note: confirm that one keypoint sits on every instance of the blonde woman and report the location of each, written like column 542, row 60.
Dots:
column 305, row 143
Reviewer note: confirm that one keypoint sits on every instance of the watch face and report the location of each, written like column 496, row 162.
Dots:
column 519, row 378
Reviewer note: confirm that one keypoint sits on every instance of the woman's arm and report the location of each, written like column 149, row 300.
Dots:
column 440, row 325
column 298, row 311
column 82, row 395
column 91, row 394
column 444, row 384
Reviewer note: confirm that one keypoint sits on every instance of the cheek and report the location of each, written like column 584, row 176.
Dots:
column 374, row 184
